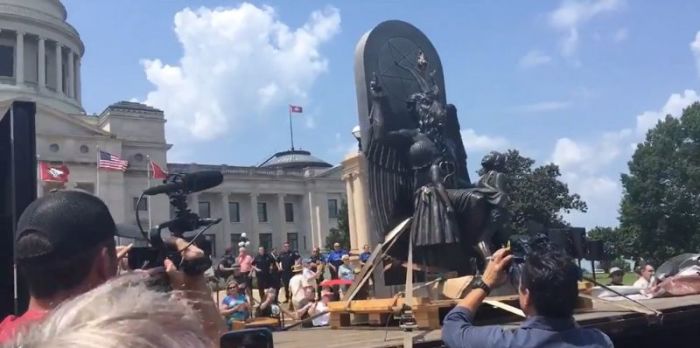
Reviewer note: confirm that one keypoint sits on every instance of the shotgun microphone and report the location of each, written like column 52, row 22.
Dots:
column 188, row 183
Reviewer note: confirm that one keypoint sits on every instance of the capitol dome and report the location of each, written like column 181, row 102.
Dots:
column 40, row 54
column 294, row 159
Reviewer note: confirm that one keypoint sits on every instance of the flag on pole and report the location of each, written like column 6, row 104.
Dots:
column 53, row 173
column 157, row 171
column 109, row 161
column 295, row 109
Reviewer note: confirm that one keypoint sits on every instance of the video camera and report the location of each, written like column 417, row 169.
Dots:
column 570, row 240
column 177, row 187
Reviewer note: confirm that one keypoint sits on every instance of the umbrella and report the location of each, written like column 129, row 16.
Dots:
column 334, row 282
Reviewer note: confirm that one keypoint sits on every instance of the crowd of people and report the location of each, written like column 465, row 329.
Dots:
column 300, row 281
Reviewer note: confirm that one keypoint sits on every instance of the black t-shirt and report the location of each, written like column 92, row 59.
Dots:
column 227, row 262
column 287, row 259
column 317, row 260
column 263, row 262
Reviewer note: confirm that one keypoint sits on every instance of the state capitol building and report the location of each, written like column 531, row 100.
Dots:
column 292, row 196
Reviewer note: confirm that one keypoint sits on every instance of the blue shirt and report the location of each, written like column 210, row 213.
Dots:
column 232, row 301
column 459, row 331
column 365, row 256
column 335, row 257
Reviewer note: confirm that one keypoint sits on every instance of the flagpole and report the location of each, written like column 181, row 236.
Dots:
column 97, row 165
column 291, row 132
column 148, row 185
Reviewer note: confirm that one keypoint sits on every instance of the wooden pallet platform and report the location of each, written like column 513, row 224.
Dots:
column 620, row 324
column 428, row 313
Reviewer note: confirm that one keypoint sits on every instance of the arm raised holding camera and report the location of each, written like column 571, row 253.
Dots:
column 194, row 288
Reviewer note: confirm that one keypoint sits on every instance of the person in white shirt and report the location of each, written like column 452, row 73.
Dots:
column 645, row 275
column 310, row 277
column 296, row 287
column 320, row 307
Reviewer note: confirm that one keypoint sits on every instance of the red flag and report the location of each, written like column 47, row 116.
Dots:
column 296, row 108
column 158, row 172
column 53, row 172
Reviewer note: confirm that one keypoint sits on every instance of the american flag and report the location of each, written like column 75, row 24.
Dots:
column 109, row 161
column 295, row 108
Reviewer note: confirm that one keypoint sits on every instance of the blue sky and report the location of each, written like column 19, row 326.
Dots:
column 573, row 82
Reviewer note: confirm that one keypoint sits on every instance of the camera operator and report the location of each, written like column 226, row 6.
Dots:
column 65, row 247
column 547, row 289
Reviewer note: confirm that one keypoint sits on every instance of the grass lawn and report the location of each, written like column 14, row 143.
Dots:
column 604, row 278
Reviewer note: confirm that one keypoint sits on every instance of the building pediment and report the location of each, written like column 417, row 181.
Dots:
column 50, row 121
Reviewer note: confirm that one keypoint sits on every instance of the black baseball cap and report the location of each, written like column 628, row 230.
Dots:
column 62, row 224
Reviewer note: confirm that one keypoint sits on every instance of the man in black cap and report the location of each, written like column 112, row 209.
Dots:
column 64, row 246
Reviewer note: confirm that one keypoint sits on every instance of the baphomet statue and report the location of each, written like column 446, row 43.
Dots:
column 421, row 172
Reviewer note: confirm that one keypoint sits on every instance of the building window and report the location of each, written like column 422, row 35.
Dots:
column 235, row 238
column 289, row 212
column 7, row 61
column 142, row 206
column 333, row 208
column 293, row 240
column 262, row 212
column 84, row 149
column 54, row 147
column 266, row 241
column 234, row 212
column 204, row 209
column 138, row 157
column 86, row 186
column 305, row 247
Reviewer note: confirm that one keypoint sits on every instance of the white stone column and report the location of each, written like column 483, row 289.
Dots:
column 78, row 90
column 19, row 59
column 225, row 222
column 281, row 221
column 70, row 78
column 59, row 69
column 41, row 71
column 225, row 215
column 322, row 216
column 253, row 235
column 193, row 203
column 309, row 204
column 354, row 243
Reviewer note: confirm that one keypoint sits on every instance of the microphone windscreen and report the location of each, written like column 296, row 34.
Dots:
column 203, row 180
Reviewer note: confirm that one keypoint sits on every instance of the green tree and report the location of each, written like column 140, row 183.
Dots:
column 537, row 195
column 661, row 197
column 342, row 233
column 617, row 242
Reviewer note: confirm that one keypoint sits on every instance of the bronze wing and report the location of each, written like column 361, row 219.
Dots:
column 389, row 174
column 451, row 130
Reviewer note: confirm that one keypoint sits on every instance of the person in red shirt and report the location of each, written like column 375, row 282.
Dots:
column 64, row 246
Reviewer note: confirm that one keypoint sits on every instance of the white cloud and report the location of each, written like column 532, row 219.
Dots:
column 479, row 142
column 695, row 48
column 570, row 15
column 545, row 106
column 534, row 58
column 237, row 64
column 310, row 122
column 620, row 35
column 674, row 106
column 585, row 164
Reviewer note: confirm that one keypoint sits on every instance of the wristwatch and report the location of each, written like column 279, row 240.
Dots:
column 478, row 283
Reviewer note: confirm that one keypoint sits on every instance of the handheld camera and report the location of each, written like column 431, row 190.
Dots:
column 177, row 187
